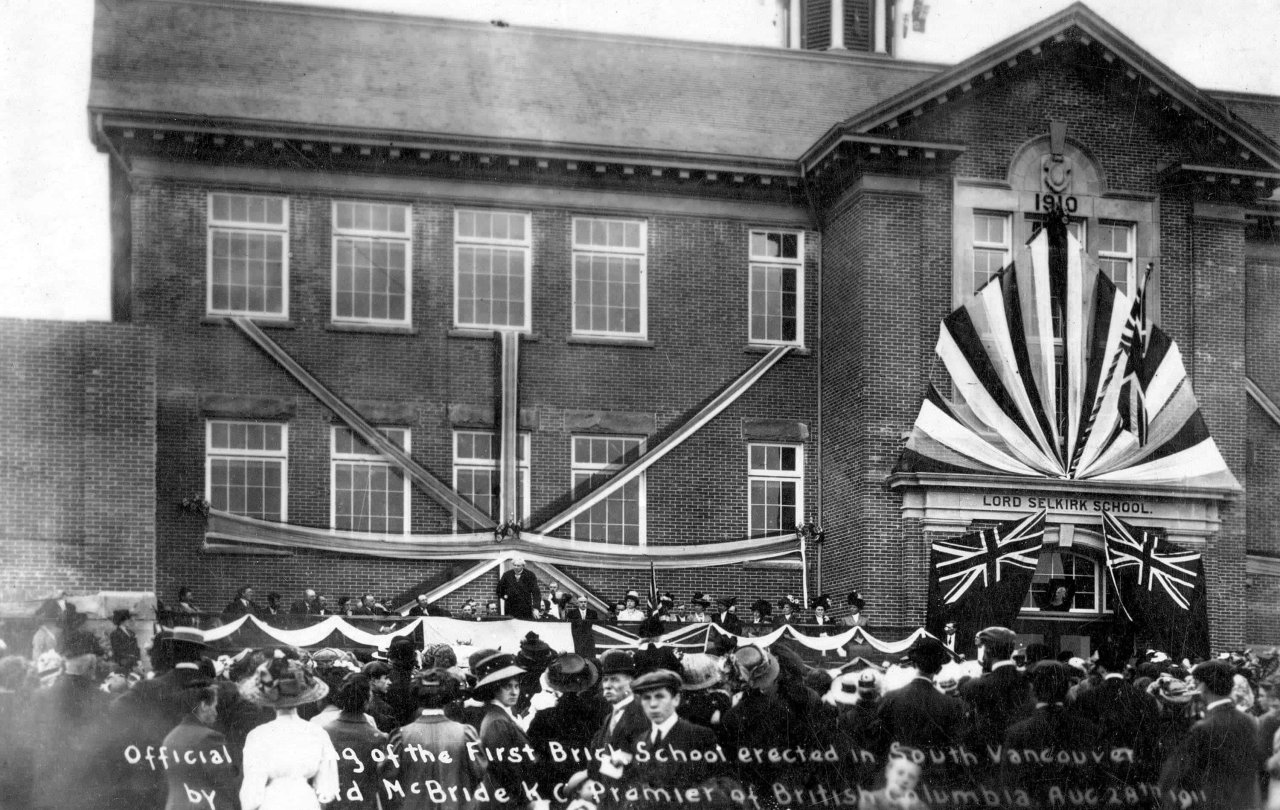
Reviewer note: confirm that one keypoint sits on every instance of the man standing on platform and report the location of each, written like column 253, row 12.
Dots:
column 520, row 590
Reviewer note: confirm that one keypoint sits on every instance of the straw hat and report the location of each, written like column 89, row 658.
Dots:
column 282, row 683
column 700, row 671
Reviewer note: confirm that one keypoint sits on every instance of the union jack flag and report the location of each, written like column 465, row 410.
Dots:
column 1154, row 560
column 984, row 555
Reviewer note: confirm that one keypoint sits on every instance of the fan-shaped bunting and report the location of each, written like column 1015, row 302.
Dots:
column 1088, row 389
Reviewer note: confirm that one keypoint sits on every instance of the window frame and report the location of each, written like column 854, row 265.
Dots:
column 796, row 264
column 282, row 455
column 591, row 469
column 405, row 238
column 478, row 463
column 766, row 475
column 281, row 230
column 1031, row 605
column 641, row 253
column 975, row 245
column 1130, row 256
column 368, row 460
column 525, row 245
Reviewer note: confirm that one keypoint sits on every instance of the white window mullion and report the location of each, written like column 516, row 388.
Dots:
column 247, row 468
column 372, row 278
column 247, row 255
column 775, row 288
column 492, row 270
column 609, row 277
column 354, row 465
column 620, row 518
column 775, row 488
column 475, row 459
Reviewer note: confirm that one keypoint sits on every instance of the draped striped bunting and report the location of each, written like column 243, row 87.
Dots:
column 1028, row 403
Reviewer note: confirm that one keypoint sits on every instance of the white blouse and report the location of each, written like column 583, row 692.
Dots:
column 289, row 764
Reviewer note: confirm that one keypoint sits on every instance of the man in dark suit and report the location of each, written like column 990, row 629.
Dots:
column 62, row 716
column 727, row 617
column 626, row 720
column 580, row 611
column 662, row 751
column 1053, row 728
column 426, row 607
column 1001, row 696
column 1124, row 715
column 1214, row 758
column 242, row 605
column 918, row 714
column 950, row 638
column 520, row 590
column 308, row 605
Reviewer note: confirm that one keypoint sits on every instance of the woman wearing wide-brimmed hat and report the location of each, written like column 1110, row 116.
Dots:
column 701, row 702
column 578, row 712
column 289, row 764
column 498, row 688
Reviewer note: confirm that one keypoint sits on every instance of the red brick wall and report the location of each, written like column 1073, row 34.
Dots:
column 697, row 288
column 78, row 479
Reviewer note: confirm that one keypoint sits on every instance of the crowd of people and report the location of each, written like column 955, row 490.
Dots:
column 738, row 725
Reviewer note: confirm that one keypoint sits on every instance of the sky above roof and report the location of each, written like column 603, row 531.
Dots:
column 55, row 224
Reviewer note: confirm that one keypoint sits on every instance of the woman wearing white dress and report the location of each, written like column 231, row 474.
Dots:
column 289, row 764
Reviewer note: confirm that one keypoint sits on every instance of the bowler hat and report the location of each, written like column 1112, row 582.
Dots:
column 618, row 662
column 928, row 653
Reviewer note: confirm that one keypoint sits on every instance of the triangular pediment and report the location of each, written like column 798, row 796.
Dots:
column 1229, row 142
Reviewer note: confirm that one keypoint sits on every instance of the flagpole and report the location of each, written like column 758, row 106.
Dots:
column 804, row 571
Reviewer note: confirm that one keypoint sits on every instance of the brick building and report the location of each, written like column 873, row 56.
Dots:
column 412, row 280
column 78, row 479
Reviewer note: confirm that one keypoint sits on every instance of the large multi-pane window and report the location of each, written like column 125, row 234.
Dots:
column 992, row 246
column 609, row 267
column 491, row 259
column 1066, row 582
column 248, row 255
column 619, row 518
column 476, row 475
column 776, row 287
column 371, row 261
column 1117, row 255
column 246, row 468
column 368, row 493
column 775, row 488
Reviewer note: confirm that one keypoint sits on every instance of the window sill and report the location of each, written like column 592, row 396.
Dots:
column 765, row 348
column 265, row 323
column 389, row 329
column 604, row 340
column 485, row 334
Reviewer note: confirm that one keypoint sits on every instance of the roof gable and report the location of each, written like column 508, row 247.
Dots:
column 1249, row 147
